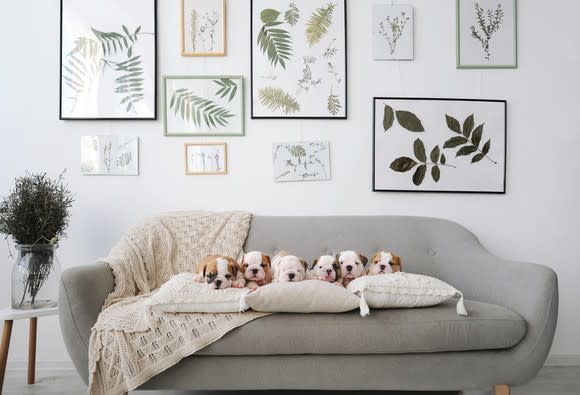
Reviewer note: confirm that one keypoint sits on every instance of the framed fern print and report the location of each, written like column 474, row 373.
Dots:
column 203, row 105
column 298, row 50
column 108, row 59
column 108, row 155
column 203, row 27
column 439, row 145
column 301, row 161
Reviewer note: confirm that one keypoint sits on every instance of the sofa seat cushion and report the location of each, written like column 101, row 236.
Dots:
column 392, row 331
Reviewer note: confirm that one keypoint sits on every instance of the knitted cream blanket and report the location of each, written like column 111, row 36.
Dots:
column 127, row 347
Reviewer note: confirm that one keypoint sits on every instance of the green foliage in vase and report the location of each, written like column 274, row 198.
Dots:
column 227, row 88
column 130, row 83
column 37, row 210
column 275, row 42
column 334, row 105
column 489, row 22
column 276, row 99
column 468, row 138
column 421, row 163
column 200, row 111
column 292, row 15
column 406, row 119
column 319, row 23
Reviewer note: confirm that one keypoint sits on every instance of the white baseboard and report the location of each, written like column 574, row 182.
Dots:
column 40, row 365
column 563, row 360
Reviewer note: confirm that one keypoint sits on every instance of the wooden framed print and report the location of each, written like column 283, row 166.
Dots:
column 203, row 105
column 206, row 159
column 203, row 27
column 487, row 34
column 439, row 145
column 298, row 50
column 108, row 60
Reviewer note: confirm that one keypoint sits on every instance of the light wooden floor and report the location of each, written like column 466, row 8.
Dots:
column 550, row 381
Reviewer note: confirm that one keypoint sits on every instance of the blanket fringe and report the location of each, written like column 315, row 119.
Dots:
column 461, row 310
column 364, row 307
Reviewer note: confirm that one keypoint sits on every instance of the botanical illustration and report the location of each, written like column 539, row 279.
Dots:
column 406, row 119
column 203, row 27
column 299, row 58
column 107, row 73
column 469, row 139
column 436, row 161
column 109, row 155
column 206, row 158
column 489, row 21
column 392, row 32
column 203, row 105
column 301, row 161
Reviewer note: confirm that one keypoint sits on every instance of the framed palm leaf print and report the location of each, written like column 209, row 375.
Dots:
column 108, row 59
column 298, row 50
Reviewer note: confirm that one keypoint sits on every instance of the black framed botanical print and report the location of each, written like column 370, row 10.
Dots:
column 298, row 59
column 108, row 59
column 439, row 145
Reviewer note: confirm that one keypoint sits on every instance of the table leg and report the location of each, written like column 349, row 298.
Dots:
column 6, row 333
column 32, row 349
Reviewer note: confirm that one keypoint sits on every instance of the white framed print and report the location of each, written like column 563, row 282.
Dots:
column 203, row 28
column 108, row 60
column 393, row 32
column 439, row 145
column 301, row 161
column 298, row 59
column 109, row 155
column 206, row 159
column 203, row 105
column 487, row 34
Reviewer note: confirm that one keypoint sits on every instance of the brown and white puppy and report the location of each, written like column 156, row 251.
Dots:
column 288, row 268
column 255, row 268
column 352, row 265
column 219, row 272
column 384, row 262
column 326, row 268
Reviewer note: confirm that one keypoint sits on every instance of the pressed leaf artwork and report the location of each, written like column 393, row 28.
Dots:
column 110, row 155
column 453, row 154
column 301, row 161
column 299, row 59
column 108, row 73
column 203, row 27
column 203, row 105
column 392, row 32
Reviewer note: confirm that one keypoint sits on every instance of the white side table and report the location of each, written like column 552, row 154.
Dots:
column 8, row 315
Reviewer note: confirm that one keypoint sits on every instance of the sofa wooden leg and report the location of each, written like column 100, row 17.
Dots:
column 501, row 389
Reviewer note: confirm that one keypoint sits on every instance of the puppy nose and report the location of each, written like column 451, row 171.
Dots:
column 328, row 271
column 255, row 271
column 291, row 276
column 383, row 267
column 349, row 268
column 218, row 283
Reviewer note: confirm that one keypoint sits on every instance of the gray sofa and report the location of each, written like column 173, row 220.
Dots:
column 513, row 310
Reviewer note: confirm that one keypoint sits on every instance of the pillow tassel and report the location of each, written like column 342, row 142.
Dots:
column 461, row 310
column 364, row 307
column 243, row 304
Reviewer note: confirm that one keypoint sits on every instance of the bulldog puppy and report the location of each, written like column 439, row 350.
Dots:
column 352, row 265
column 255, row 268
column 326, row 268
column 219, row 272
column 384, row 262
column 288, row 268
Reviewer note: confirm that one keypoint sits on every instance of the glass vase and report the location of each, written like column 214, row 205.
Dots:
column 35, row 277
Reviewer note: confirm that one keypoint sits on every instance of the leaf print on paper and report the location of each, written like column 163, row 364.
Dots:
column 319, row 23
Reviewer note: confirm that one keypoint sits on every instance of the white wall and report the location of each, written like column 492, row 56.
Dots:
column 537, row 220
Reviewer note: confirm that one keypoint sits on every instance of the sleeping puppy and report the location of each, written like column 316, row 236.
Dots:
column 384, row 262
column 219, row 272
column 352, row 265
column 255, row 268
column 288, row 268
column 326, row 268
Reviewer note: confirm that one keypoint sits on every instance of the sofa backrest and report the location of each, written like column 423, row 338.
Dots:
column 428, row 246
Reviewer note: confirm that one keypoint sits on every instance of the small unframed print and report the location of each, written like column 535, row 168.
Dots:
column 207, row 158
column 393, row 32
column 486, row 33
column 301, row 161
column 203, row 27
column 110, row 155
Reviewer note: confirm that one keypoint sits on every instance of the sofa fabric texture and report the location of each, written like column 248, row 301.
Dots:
column 429, row 246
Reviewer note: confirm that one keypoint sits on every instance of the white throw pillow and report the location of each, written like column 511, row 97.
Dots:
column 182, row 294
column 309, row 296
column 402, row 290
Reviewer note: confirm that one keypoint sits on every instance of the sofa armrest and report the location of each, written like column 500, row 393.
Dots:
column 82, row 292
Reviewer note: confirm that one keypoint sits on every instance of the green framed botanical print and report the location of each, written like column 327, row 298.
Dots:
column 203, row 105
column 487, row 34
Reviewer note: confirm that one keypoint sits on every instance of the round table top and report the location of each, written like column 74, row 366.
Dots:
column 9, row 313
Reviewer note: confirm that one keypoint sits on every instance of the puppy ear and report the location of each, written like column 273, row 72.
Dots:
column 303, row 262
column 266, row 260
column 338, row 256
column 363, row 258
column 397, row 265
column 314, row 264
column 376, row 258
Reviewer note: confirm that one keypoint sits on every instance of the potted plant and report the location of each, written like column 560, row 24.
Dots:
column 35, row 215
